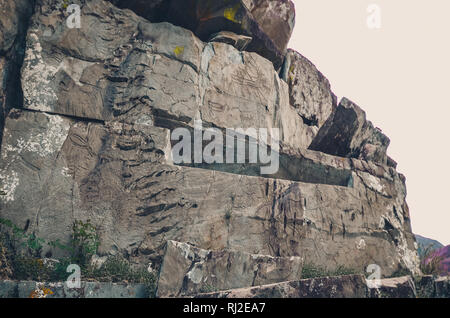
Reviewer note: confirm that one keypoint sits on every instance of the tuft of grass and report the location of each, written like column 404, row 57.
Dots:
column 313, row 271
column 83, row 246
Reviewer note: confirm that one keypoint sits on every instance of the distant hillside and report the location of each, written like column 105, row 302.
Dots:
column 424, row 242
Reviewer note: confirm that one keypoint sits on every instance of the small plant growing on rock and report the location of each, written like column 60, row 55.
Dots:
column 431, row 264
column 85, row 242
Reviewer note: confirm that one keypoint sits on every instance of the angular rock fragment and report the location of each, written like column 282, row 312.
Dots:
column 398, row 287
column 270, row 22
column 13, row 28
column 188, row 270
column 351, row 286
column 120, row 176
column 157, row 73
column 347, row 133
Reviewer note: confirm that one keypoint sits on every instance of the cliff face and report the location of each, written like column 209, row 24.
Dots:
column 91, row 138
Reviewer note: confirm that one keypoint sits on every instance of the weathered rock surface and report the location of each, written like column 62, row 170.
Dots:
column 309, row 91
column 443, row 257
column 187, row 270
column 93, row 143
column 14, row 21
column 399, row 287
column 240, row 42
column 30, row 289
column 433, row 287
column 352, row 286
column 151, row 73
column 120, row 176
column 347, row 133
column 269, row 22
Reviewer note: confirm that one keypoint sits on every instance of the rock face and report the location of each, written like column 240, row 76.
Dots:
column 399, row 287
column 426, row 244
column 14, row 17
column 121, row 177
column 269, row 22
column 187, row 270
column 347, row 133
column 93, row 142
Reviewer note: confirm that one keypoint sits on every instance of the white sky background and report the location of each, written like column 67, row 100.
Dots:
column 400, row 75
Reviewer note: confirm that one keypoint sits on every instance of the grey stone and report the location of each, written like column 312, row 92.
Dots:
column 31, row 289
column 120, row 176
column 429, row 286
column 188, row 270
column 269, row 22
column 8, row 289
column 442, row 287
column 93, row 143
column 13, row 28
column 240, row 42
column 352, row 286
column 398, row 287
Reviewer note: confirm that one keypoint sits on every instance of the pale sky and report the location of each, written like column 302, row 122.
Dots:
column 400, row 75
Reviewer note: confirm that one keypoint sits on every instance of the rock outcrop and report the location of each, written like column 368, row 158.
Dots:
column 14, row 16
column 187, row 270
column 91, row 140
column 30, row 289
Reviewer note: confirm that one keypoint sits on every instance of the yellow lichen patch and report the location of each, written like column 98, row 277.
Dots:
column 41, row 292
column 179, row 50
column 230, row 13
column 291, row 69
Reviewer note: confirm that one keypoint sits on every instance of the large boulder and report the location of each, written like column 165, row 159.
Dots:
column 151, row 72
column 309, row 91
column 269, row 22
column 347, row 133
column 187, row 270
